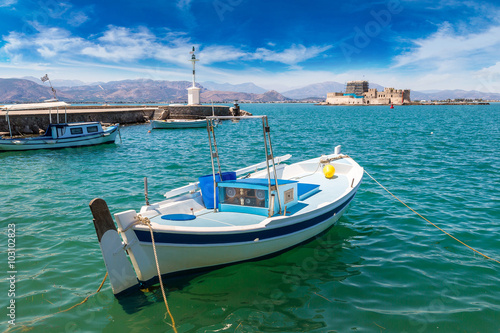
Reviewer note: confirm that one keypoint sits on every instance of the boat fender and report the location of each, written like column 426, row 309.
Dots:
column 328, row 171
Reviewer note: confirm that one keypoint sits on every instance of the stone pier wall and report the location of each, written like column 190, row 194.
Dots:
column 32, row 121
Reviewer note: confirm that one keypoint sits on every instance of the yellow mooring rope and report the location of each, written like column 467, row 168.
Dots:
column 146, row 221
column 72, row 307
column 448, row 234
column 142, row 220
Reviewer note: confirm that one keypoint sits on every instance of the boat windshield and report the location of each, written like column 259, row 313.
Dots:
column 61, row 131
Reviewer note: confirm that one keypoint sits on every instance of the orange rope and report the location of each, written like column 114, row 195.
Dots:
column 146, row 221
column 74, row 306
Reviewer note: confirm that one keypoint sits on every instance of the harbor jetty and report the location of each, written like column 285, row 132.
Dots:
column 34, row 121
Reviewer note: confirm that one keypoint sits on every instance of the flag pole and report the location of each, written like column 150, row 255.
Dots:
column 46, row 78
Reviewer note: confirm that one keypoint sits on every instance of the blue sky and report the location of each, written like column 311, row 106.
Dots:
column 281, row 45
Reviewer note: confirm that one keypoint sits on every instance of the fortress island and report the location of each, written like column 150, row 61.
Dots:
column 358, row 93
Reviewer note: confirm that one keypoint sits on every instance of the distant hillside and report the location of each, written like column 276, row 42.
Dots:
column 318, row 90
column 18, row 90
column 58, row 83
column 145, row 90
column 454, row 94
column 229, row 96
column 242, row 87
column 379, row 87
column 141, row 90
column 129, row 91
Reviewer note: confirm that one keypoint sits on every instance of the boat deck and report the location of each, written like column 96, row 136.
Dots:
column 329, row 192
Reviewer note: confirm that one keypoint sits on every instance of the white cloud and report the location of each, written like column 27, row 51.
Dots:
column 122, row 44
column 291, row 56
column 7, row 3
column 118, row 44
column 48, row 43
column 77, row 18
column 63, row 11
column 222, row 53
column 184, row 4
column 489, row 79
column 445, row 45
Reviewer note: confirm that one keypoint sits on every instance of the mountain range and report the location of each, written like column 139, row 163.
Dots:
column 31, row 89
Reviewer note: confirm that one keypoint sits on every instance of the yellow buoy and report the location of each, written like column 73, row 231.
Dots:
column 329, row 171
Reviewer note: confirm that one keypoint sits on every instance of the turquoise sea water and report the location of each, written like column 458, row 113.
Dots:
column 381, row 269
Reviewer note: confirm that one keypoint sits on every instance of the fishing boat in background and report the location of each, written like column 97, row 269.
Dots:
column 57, row 135
column 226, row 217
column 178, row 123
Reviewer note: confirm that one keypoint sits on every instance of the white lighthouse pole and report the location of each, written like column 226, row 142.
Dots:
column 194, row 60
column 193, row 92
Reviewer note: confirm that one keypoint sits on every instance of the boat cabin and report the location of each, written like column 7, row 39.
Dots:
column 252, row 195
column 67, row 130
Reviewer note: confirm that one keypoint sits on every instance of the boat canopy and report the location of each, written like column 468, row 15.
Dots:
column 32, row 106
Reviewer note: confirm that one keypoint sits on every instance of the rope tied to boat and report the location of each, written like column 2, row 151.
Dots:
column 120, row 230
column 144, row 220
column 444, row 231
column 72, row 307
column 323, row 160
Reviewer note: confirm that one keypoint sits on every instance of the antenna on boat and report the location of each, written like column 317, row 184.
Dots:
column 146, row 190
column 46, row 78
column 270, row 157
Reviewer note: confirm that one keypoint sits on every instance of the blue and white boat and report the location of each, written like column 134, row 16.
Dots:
column 57, row 135
column 250, row 213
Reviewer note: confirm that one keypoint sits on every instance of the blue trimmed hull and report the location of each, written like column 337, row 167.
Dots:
column 181, row 253
column 47, row 142
column 239, row 237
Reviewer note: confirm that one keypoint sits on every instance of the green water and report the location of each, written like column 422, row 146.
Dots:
column 381, row 269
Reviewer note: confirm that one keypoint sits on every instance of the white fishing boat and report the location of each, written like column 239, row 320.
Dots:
column 251, row 213
column 57, row 135
column 178, row 123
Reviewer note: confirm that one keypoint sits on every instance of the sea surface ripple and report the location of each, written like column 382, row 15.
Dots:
column 382, row 268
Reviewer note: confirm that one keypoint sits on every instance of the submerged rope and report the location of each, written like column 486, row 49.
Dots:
column 445, row 232
column 86, row 298
column 147, row 222
column 72, row 307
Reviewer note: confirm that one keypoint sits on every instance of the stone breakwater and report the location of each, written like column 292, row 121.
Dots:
column 33, row 121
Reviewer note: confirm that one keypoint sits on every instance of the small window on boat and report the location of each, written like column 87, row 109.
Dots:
column 77, row 130
column 92, row 129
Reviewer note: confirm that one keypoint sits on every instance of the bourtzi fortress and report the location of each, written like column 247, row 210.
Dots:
column 358, row 93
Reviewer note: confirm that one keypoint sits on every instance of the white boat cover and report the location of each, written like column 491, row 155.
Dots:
column 32, row 106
